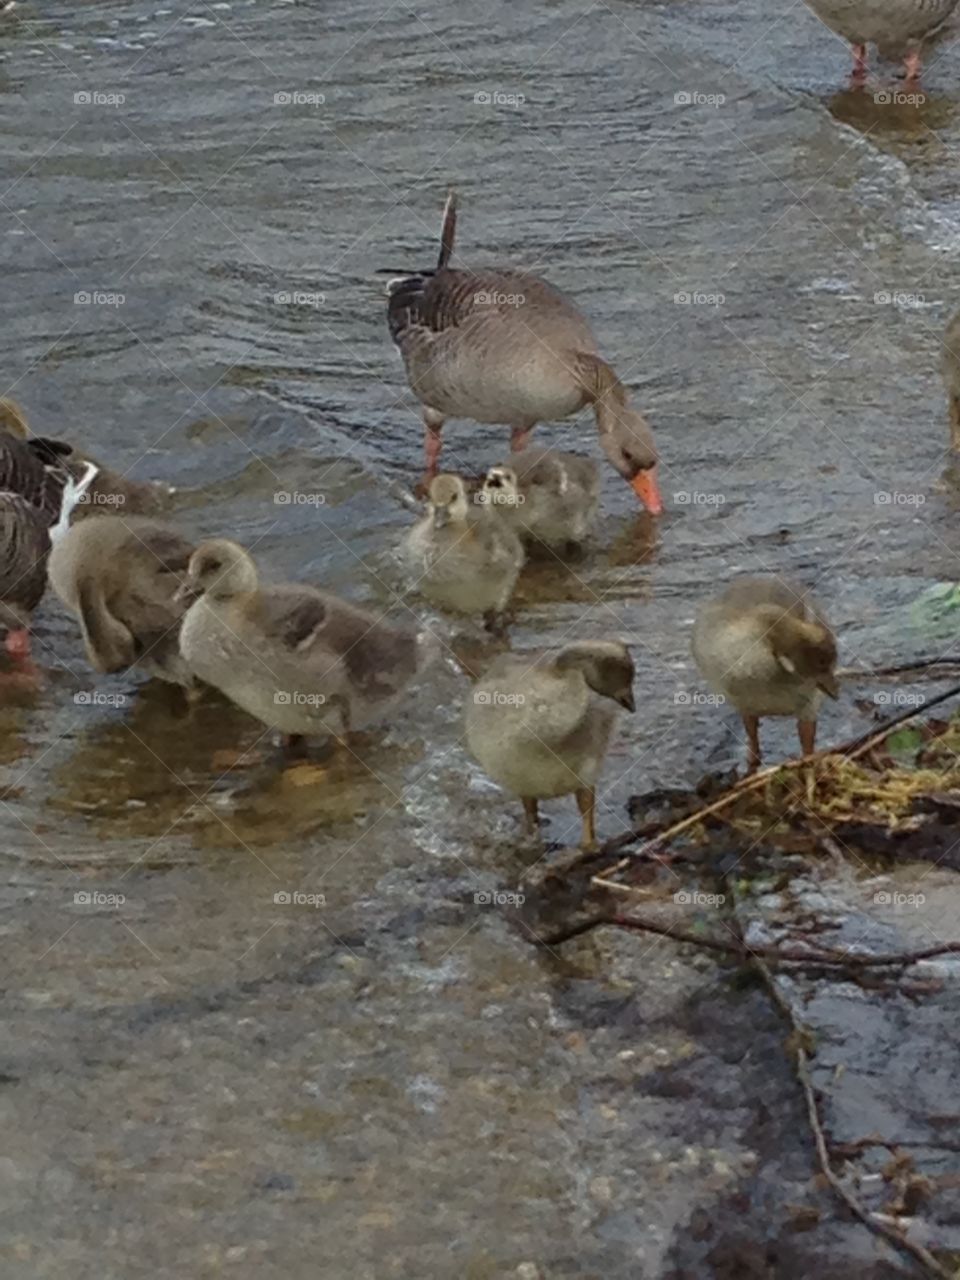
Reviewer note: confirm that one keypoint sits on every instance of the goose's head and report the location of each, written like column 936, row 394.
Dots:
column 806, row 650
column 219, row 569
column 448, row 500
column 606, row 666
column 627, row 440
column 501, row 488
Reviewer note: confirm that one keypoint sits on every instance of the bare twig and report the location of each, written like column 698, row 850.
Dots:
column 828, row 958
column 801, row 1061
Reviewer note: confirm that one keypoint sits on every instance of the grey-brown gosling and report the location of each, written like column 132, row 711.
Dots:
column 557, row 497
column 462, row 555
column 764, row 645
column 120, row 576
column 298, row 659
column 540, row 725
column 503, row 346
column 950, row 367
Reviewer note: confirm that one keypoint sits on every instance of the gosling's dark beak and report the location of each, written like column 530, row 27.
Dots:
column 186, row 593
column 626, row 701
column 829, row 685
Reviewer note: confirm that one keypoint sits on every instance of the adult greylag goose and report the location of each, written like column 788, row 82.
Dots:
column 764, row 645
column 120, row 577
column 558, row 495
column 33, row 497
column 502, row 346
column 950, row 367
column 298, row 659
column 463, row 555
column 901, row 29
column 540, row 726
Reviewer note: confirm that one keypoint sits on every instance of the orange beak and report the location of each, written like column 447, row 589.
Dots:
column 644, row 485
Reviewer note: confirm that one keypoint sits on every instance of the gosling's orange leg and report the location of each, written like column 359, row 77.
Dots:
column 531, row 816
column 752, row 726
column 807, row 733
column 587, row 803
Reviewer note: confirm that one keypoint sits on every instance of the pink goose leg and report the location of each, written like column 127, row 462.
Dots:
column 859, row 74
column 432, row 444
column 912, row 66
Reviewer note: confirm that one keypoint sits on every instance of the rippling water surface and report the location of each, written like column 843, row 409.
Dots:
column 202, row 1081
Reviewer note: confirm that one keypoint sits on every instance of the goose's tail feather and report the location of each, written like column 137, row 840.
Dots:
column 448, row 230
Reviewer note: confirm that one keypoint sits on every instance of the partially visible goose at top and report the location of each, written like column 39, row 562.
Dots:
column 463, row 555
column 901, row 29
column 558, row 495
column 298, row 659
column 765, row 646
column 540, row 726
column 499, row 345
column 120, row 576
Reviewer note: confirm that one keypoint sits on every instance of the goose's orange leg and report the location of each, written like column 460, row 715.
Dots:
column 859, row 73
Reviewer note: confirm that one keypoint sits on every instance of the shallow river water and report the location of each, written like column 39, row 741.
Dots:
column 202, row 1080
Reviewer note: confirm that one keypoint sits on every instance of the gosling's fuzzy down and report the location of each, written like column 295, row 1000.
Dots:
column 540, row 726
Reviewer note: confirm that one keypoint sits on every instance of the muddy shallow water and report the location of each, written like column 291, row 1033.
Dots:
column 201, row 1080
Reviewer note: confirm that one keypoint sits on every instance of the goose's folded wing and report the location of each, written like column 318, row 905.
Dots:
column 24, row 545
